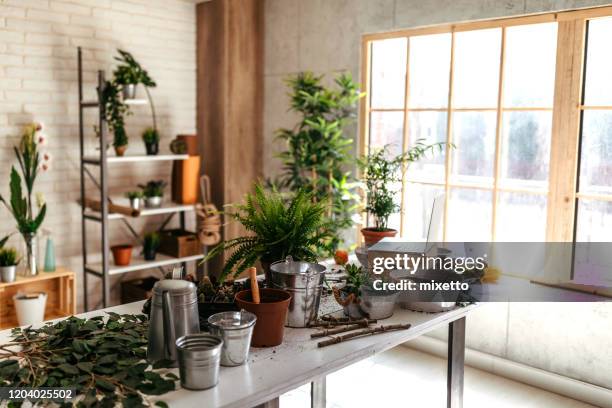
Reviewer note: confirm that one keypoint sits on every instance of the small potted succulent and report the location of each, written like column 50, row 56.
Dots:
column 150, row 137
column 151, row 243
column 380, row 172
column 135, row 198
column 153, row 193
column 8, row 264
column 349, row 295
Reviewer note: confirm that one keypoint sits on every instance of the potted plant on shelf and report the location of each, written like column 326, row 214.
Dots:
column 23, row 206
column 153, row 193
column 278, row 227
column 135, row 198
column 8, row 264
column 349, row 295
column 151, row 243
column 115, row 110
column 122, row 254
column 150, row 137
column 379, row 174
column 130, row 73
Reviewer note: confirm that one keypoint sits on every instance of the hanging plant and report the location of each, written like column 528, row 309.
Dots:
column 103, row 359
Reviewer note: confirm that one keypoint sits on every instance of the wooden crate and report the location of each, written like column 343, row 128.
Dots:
column 179, row 243
column 60, row 289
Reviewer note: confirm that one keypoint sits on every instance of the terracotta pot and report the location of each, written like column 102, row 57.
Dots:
column 185, row 180
column 122, row 254
column 271, row 315
column 372, row 236
column 120, row 150
column 191, row 142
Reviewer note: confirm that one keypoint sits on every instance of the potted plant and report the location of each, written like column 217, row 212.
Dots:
column 349, row 295
column 150, row 138
column 380, row 173
column 278, row 227
column 375, row 303
column 151, row 243
column 23, row 206
column 115, row 110
column 135, row 198
column 122, row 254
column 130, row 73
column 153, row 193
column 8, row 264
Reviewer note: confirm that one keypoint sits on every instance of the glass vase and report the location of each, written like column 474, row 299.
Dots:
column 29, row 260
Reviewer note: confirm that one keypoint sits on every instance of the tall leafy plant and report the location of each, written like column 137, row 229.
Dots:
column 380, row 172
column 277, row 228
column 21, row 204
column 115, row 111
column 318, row 148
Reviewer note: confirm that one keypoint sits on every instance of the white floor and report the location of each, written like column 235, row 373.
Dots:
column 403, row 377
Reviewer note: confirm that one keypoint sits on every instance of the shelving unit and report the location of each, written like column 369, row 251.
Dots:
column 104, row 268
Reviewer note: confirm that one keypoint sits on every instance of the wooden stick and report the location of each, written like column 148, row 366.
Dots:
column 329, row 318
column 337, row 330
column 364, row 332
column 113, row 208
column 364, row 322
column 254, row 285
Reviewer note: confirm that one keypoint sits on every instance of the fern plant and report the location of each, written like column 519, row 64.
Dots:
column 277, row 228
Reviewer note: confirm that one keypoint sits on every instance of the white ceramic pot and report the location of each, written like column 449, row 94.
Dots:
column 30, row 308
column 7, row 273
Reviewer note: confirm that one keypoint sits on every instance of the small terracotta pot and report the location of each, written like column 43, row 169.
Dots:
column 120, row 150
column 271, row 315
column 372, row 236
column 122, row 254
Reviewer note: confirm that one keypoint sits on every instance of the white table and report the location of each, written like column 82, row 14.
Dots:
column 273, row 371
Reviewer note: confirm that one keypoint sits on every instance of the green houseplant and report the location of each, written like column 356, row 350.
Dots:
column 349, row 295
column 277, row 228
column 22, row 206
column 150, row 137
column 319, row 150
column 153, row 192
column 380, row 172
column 151, row 244
column 135, row 198
column 115, row 111
column 8, row 264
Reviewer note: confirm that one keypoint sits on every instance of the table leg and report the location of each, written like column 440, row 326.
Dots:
column 456, row 358
column 318, row 393
column 273, row 403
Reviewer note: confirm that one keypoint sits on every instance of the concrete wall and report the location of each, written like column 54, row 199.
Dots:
column 324, row 36
column 38, row 82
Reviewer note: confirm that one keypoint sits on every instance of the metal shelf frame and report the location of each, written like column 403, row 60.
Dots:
column 103, row 268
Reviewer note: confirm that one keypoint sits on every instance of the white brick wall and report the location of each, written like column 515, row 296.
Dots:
column 38, row 82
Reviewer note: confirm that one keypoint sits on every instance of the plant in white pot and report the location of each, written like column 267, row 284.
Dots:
column 380, row 173
column 153, row 193
column 8, row 263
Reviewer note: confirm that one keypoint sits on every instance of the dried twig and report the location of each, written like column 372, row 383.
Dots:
column 364, row 332
column 364, row 322
column 337, row 330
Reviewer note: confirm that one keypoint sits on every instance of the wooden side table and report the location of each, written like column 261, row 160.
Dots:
column 60, row 289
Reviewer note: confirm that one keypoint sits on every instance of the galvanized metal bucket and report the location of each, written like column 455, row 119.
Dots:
column 236, row 330
column 199, row 356
column 304, row 280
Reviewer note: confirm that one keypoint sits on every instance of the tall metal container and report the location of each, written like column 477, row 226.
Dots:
column 304, row 281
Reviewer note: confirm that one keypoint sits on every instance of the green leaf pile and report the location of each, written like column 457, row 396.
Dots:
column 103, row 358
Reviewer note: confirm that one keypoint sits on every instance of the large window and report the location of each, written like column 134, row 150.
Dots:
column 528, row 104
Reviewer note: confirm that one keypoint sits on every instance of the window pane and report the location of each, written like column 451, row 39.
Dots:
column 469, row 215
column 520, row 218
column 476, row 76
column 474, row 138
column 389, row 73
column 430, row 126
column 594, row 220
column 526, row 149
column 596, row 152
column 387, row 128
column 429, row 71
column 598, row 85
column 531, row 52
column 418, row 203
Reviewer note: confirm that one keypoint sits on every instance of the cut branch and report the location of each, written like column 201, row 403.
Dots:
column 337, row 330
column 364, row 332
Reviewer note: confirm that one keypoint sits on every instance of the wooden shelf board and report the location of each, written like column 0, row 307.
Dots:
column 136, row 158
column 145, row 212
column 138, row 263
column 21, row 280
